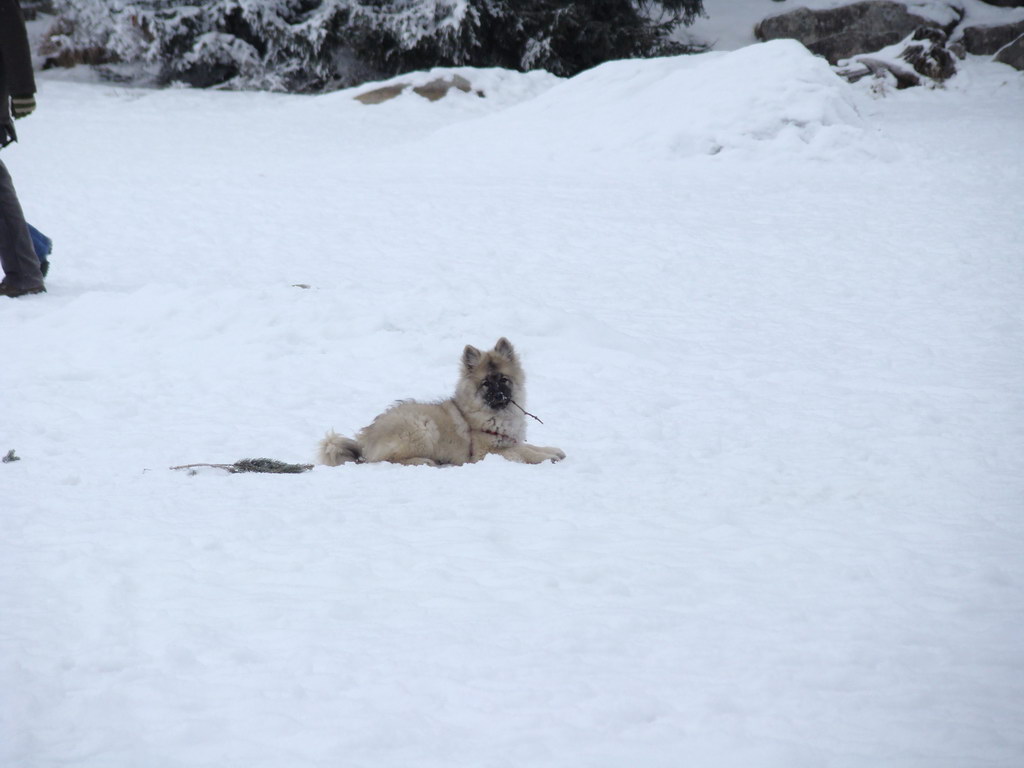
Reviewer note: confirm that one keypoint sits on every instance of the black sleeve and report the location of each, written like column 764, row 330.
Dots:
column 15, row 51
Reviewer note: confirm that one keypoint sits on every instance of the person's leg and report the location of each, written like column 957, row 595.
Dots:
column 43, row 246
column 17, row 256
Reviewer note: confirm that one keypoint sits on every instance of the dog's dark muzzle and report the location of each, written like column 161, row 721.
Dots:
column 496, row 391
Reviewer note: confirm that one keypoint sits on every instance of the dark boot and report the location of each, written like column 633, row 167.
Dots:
column 8, row 289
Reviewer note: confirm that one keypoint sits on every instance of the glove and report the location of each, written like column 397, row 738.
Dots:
column 22, row 106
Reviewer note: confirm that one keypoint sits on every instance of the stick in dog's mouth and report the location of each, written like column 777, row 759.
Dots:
column 517, row 405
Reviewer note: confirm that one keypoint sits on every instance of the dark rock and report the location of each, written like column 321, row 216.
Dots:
column 1012, row 54
column 839, row 33
column 984, row 41
column 926, row 53
column 862, row 66
column 1006, row 3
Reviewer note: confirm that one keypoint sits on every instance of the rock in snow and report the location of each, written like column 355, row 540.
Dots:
column 842, row 32
column 432, row 90
column 988, row 39
column 1012, row 54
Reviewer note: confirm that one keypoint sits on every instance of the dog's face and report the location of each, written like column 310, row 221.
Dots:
column 495, row 376
column 496, row 390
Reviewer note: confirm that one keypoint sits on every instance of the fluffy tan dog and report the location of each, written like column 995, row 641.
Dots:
column 476, row 421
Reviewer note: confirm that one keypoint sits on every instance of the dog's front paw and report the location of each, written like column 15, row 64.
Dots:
column 557, row 454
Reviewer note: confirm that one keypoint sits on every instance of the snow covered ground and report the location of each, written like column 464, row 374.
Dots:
column 776, row 324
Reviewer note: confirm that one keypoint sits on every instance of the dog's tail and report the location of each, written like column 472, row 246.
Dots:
column 335, row 449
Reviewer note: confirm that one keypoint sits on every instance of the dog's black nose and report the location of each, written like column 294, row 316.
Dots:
column 496, row 391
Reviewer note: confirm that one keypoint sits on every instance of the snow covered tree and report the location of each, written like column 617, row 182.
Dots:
column 561, row 36
column 304, row 45
column 273, row 44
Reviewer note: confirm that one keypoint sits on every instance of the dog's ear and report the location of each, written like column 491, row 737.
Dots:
column 504, row 348
column 470, row 357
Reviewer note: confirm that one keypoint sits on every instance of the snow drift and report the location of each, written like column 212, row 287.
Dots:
column 770, row 97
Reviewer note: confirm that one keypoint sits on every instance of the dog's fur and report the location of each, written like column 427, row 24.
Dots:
column 479, row 419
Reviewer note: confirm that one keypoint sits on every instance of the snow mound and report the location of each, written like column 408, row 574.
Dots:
column 493, row 86
column 774, row 95
column 409, row 117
